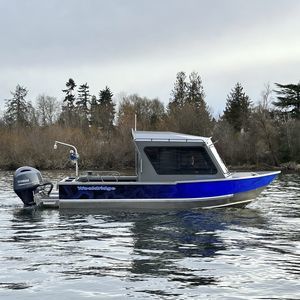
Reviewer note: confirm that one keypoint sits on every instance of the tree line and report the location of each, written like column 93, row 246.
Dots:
column 261, row 133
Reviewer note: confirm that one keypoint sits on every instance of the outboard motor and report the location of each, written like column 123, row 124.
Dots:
column 27, row 181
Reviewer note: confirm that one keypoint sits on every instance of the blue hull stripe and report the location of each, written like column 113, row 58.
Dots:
column 164, row 191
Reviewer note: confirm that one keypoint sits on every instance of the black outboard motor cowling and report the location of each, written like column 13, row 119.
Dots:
column 26, row 180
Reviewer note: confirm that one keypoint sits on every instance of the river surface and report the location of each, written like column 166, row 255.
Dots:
column 250, row 253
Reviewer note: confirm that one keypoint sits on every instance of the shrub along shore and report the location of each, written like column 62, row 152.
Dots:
column 250, row 134
column 34, row 147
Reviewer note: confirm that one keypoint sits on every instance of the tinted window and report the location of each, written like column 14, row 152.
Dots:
column 180, row 160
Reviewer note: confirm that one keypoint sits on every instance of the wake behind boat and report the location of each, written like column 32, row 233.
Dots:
column 173, row 171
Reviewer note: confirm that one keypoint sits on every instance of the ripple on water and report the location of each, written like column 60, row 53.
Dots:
column 251, row 253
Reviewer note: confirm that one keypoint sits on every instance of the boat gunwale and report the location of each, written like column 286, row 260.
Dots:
column 228, row 178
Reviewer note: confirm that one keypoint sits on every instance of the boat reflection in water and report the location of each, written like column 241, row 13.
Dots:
column 175, row 247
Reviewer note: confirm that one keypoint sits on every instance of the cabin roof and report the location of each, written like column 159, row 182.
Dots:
column 167, row 136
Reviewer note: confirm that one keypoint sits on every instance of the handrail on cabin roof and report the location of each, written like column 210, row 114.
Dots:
column 167, row 140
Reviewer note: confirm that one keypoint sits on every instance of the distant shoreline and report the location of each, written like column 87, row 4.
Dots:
column 290, row 167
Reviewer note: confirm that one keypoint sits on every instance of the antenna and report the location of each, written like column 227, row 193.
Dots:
column 135, row 122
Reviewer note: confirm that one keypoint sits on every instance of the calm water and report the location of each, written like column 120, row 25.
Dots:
column 251, row 253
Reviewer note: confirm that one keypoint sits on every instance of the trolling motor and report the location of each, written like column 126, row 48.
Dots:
column 27, row 182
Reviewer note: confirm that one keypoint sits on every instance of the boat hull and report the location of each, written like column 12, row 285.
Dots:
column 239, row 200
column 157, row 196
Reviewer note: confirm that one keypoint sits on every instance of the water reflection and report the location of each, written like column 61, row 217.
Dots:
column 156, row 256
column 135, row 244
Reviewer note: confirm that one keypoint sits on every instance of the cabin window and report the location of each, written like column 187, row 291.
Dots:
column 180, row 160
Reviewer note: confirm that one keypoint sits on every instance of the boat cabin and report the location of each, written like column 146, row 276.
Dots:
column 170, row 156
column 166, row 157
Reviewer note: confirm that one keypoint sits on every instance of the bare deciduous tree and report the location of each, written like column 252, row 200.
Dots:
column 47, row 110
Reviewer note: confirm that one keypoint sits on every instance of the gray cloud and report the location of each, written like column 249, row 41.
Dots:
column 138, row 46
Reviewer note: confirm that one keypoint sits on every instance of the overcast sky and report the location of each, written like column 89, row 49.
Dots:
column 138, row 46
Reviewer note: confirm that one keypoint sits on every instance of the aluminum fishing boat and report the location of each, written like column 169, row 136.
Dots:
column 173, row 171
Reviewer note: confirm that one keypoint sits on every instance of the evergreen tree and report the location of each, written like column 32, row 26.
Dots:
column 195, row 91
column 201, row 118
column 237, row 111
column 94, row 112
column 82, row 103
column 18, row 109
column 106, row 108
column 68, row 116
column 188, row 111
column 179, row 92
column 69, row 91
column 289, row 98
